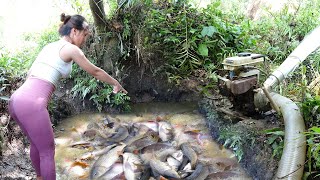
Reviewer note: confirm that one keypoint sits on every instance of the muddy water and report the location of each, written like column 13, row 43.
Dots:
column 180, row 115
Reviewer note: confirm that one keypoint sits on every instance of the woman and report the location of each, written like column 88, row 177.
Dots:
column 28, row 104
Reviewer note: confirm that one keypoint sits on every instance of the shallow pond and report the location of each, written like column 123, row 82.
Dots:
column 183, row 117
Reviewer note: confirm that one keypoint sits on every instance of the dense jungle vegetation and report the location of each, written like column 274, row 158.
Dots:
column 191, row 41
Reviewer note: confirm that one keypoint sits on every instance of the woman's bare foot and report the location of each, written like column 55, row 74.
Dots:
column 39, row 178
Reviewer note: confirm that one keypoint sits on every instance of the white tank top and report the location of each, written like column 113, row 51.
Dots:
column 49, row 66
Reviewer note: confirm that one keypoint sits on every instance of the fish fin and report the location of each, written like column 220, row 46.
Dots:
column 80, row 163
column 74, row 129
column 162, row 178
column 195, row 130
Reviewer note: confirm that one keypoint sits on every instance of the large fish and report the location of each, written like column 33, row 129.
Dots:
column 150, row 124
column 104, row 162
column 165, row 131
column 173, row 162
column 116, row 172
column 133, row 166
column 163, row 168
column 96, row 153
column 139, row 129
column 189, row 153
column 183, row 134
column 156, row 150
column 175, row 159
column 120, row 134
column 142, row 142
column 89, row 134
column 140, row 135
column 186, row 171
column 81, row 144
column 200, row 173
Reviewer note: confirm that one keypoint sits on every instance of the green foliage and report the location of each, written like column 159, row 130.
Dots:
column 311, row 114
column 33, row 44
column 78, row 7
column 313, row 151
column 188, row 38
column 235, row 139
column 275, row 140
column 306, row 19
column 232, row 141
column 280, row 32
column 311, row 111
column 10, row 66
column 100, row 93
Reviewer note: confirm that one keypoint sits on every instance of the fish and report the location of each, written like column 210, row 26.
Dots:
column 115, row 172
column 93, row 125
column 104, row 162
column 150, row 124
column 89, row 134
column 133, row 166
column 141, row 129
column 173, row 162
column 186, row 171
column 165, row 130
column 200, row 173
column 107, row 123
column 156, row 149
column 96, row 153
column 175, row 159
column 178, row 155
column 81, row 144
column 120, row 134
column 182, row 135
column 200, row 137
column 163, row 168
column 146, row 174
column 189, row 153
column 144, row 141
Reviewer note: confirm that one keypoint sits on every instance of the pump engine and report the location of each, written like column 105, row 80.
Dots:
column 239, row 79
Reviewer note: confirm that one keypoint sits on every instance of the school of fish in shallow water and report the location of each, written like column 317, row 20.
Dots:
column 146, row 150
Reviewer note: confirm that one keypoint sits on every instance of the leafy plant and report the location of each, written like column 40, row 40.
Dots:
column 311, row 110
column 236, row 140
column 275, row 140
column 100, row 93
column 189, row 38
column 313, row 151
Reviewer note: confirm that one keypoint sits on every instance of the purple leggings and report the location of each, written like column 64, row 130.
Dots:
column 28, row 107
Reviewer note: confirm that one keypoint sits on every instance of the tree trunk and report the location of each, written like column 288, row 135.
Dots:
column 108, row 45
column 99, row 16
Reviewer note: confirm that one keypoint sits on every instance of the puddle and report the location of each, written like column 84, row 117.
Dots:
column 182, row 116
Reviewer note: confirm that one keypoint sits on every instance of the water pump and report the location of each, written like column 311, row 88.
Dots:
column 239, row 79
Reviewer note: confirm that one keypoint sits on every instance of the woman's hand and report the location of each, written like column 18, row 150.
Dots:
column 118, row 88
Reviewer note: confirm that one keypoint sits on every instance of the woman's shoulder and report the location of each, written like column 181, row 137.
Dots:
column 68, row 51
